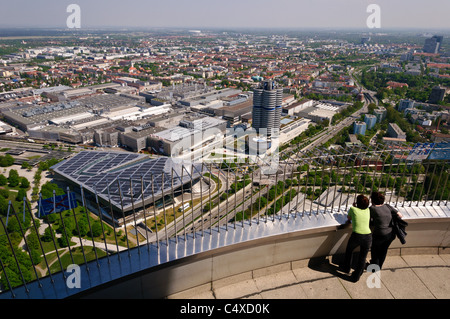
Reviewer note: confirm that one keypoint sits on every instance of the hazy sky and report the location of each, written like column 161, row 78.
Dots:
column 417, row 14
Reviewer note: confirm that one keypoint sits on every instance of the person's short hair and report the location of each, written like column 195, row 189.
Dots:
column 377, row 198
column 362, row 202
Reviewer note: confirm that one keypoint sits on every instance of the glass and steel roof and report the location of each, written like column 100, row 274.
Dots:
column 126, row 179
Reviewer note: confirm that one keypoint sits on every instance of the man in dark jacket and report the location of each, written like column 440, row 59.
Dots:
column 384, row 228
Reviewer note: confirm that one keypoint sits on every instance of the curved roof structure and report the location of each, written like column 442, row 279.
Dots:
column 126, row 179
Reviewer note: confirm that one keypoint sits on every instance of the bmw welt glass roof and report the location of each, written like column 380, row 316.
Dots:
column 123, row 177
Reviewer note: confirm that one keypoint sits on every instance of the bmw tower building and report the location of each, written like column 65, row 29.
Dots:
column 267, row 100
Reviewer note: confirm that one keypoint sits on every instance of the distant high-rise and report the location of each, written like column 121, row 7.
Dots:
column 359, row 128
column 437, row 94
column 370, row 121
column 267, row 100
column 380, row 113
column 433, row 44
column 365, row 40
column 405, row 104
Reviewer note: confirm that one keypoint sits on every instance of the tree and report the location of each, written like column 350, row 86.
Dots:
column 48, row 188
column 3, row 180
column 4, row 193
column 49, row 233
column 6, row 160
column 3, row 206
column 96, row 229
column 21, row 194
column 26, row 165
column 13, row 178
column 24, row 182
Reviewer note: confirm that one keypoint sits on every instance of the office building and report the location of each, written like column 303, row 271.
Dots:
column 433, row 44
column 267, row 101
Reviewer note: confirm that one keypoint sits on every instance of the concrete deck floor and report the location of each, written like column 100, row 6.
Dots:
column 423, row 273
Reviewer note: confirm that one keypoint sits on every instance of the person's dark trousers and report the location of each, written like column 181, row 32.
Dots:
column 380, row 246
column 364, row 243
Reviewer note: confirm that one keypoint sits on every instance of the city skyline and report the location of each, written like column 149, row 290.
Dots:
column 350, row 14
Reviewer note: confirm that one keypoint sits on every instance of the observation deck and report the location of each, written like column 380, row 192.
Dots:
column 292, row 252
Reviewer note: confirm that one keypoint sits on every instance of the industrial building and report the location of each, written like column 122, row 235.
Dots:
column 66, row 121
column 208, row 97
column 318, row 113
column 297, row 107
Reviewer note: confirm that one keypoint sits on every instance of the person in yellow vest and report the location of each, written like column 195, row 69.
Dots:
column 359, row 216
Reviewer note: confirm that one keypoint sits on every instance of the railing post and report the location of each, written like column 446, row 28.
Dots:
column 113, row 219
column 25, row 239
column 54, row 243
column 123, row 215
column 210, row 199
column 7, row 279
column 39, row 239
column 154, row 210
column 134, row 216
column 100, row 215
column 174, row 211
column 89, row 224
column 445, row 185
column 14, row 254
column 164, row 208
column 63, row 225
column 431, row 182
column 424, row 179
column 143, row 210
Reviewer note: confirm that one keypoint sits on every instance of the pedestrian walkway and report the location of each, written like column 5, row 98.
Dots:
column 415, row 276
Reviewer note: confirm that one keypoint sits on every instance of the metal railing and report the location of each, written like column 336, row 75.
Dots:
column 316, row 182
